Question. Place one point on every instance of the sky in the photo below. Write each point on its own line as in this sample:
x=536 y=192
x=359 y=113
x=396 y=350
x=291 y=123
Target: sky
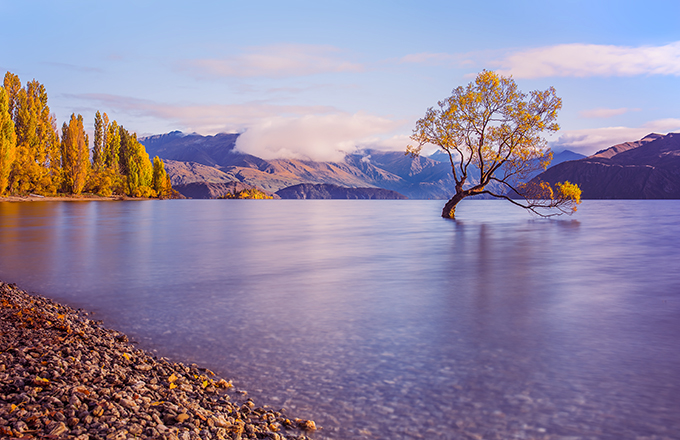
x=318 y=79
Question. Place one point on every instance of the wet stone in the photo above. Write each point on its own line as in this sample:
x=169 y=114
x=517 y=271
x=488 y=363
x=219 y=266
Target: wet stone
x=63 y=375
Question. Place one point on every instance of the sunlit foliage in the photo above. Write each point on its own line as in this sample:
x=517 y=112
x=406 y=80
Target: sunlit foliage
x=494 y=127
x=161 y=181
x=34 y=160
x=8 y=141
x=37 y=165
x=75 y=155
x=136 y=166
x=98 y=146
x=253 y=193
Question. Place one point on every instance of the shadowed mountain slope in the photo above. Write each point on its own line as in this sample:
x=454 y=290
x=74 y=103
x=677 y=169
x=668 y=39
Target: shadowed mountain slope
x=645 y=169
x=204 y=190
x=327 y=191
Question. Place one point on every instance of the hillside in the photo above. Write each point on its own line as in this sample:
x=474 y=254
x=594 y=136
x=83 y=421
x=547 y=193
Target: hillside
x=326 y=191
x=645 y=169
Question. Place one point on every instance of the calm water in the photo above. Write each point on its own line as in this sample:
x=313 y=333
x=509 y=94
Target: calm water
x=380 y=320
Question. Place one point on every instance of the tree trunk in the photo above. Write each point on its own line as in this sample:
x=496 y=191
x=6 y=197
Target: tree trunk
x=449 y=210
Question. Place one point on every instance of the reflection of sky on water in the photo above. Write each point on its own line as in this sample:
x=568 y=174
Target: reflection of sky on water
x=339 y=309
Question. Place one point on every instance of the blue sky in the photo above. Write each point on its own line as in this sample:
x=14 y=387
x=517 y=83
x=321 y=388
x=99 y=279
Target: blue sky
x=313 y=79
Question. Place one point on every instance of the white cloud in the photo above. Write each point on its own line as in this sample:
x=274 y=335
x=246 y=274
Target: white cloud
x=583 y=60
x=565 y=60
x=394 y=143
x=313 y=137
x=589 y=141
x=277 y=61
x=605 y=112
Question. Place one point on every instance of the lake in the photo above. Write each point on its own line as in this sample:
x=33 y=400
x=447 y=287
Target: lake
x=381 y=320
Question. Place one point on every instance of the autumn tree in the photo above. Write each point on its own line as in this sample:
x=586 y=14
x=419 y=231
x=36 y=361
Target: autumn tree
x=135 y=165
x=161 y=181
x=492 y=127
x=112 y=145
x=12 y=85
x=98 y=144
x=8 y=141
x=75 y=155
x=36 y=167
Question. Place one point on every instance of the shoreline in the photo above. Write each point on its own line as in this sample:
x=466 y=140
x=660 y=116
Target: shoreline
x=67 y=198
x=63 y=375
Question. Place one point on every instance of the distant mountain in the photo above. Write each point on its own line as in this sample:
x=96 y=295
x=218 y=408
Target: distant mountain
x=560 y=157
x=191 y=158
x=326 y=191
x=645 y=169
x=564 y=156
x=195 y=158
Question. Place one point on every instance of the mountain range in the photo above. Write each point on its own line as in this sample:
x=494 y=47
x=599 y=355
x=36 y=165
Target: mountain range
x=644 y=169
x=192 y=158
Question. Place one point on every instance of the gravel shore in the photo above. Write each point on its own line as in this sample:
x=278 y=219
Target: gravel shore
x=62 y=375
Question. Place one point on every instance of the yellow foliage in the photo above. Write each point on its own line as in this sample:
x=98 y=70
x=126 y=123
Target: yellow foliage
x=494 y=127
x=253 y=193
x=144 y=192
x=8 y=141
x=570 y=191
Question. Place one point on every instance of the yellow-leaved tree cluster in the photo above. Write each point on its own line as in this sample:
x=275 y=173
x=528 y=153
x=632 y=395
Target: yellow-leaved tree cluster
x=35 y=159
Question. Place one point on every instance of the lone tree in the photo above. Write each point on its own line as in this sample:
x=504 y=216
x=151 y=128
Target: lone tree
x=493 y=127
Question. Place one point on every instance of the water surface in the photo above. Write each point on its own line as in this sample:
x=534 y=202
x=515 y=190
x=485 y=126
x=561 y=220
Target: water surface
x=380 y=320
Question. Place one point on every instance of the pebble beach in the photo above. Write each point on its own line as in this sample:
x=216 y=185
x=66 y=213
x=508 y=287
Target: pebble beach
x=65 y=376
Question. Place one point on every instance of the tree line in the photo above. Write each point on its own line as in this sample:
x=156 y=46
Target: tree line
x=36 y=159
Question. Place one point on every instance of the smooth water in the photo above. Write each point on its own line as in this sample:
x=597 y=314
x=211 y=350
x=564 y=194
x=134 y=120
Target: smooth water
x=379 y=319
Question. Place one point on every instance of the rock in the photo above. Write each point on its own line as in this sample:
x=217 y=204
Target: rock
x=20 y=426
x=127 y=403
x=58 y=429
x=135 y=429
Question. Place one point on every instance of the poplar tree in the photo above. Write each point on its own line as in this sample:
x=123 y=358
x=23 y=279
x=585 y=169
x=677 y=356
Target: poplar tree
x=12 y=86
x=98 y=146
x=36 y=166
x=75 y=155
x=112 y=146
x=8 y=141
x=136 y=166
x=161 y=181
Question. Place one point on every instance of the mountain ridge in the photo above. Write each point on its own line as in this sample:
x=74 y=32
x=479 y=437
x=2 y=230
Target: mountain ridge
x=644 y=169
x=193 y=158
